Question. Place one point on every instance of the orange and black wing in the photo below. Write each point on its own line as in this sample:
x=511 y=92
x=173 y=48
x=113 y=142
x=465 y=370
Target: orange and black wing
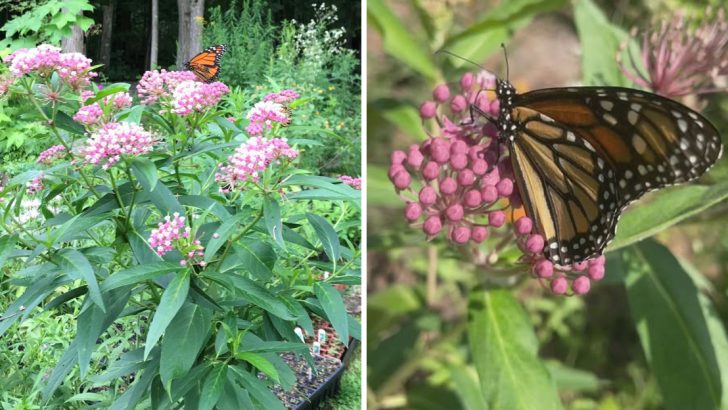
x=206 y=65
x=650 y=141
x=565 y=186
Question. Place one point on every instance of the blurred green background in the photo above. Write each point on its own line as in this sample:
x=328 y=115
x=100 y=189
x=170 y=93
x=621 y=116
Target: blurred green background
x=651 y=335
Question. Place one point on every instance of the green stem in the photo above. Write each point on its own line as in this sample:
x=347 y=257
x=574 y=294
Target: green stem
x=58 y=136
x=240 y=235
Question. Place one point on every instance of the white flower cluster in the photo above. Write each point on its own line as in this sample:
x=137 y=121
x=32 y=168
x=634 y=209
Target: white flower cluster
x=316 y=41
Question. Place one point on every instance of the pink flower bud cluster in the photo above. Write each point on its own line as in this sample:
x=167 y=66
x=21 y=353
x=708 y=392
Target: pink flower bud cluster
x=559 y=279
x=454 y=187
x=5 y=83
x=161 y=83
x=194 y=96
x=52 y=153
x=459 y=183
x=114 y=139
x=173 y=233
x=282 y=97
x=263 y=115
x=89 y=114
x=35 y=185
x=250 y=159
x=92 y=113
x=351 y=181
x=45 y=59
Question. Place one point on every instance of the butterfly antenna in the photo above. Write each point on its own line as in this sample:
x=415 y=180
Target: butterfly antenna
x=460 y=57
x=505 y=55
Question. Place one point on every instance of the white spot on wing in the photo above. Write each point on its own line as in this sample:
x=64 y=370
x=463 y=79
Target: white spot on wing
x=610 y=119
x=682 y=124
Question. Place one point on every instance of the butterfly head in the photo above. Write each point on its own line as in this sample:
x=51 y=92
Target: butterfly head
x=505 y=92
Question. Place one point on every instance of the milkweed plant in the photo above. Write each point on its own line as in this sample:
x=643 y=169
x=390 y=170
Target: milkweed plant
x=160 y=206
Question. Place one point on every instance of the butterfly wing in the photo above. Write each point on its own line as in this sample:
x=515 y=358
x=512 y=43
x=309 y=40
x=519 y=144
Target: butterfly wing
x=650 y=141
x=566 y=187
x=206 y=65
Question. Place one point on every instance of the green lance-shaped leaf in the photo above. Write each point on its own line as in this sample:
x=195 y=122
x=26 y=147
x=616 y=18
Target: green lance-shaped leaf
x=333 y=305
x=182 y=342
x=145 y=172
x=505 y=352
x=213 y=386
x=257 y=389
x=272 y=217
x=672 y=327
x=172 y=299
x=7 y=245
x=327 y=235
x=398 y=40
x=77 y=266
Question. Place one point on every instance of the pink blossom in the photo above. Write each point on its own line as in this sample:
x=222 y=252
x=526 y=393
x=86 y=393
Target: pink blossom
x=88 y=114
x=162 y=239
x=73 y=67
x=45 y=59
x=282 y=97
x=114 y=139
x=36 y=184
x=47 y=156
x=92 y=113
x=173 y=233
x=194 y=96
x=161 y=83
x=680 y=57
x=252 y=158
x=42 y=59
x=263 y=115
x=5 y=83
x=351 y=181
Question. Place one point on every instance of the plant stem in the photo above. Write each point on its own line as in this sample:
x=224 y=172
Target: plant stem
x=58 y=136
x=240 y=235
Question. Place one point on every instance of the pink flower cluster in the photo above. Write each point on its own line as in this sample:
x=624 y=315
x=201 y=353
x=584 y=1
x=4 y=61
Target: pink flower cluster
x=161 y=83
x=35 y=185
x=282 y=97
x=45 y=59
x=263 y=115
x=682 y=56
x=90 y=114
x=114 y=139
x=194 y=96
x=52 y=153
x=351 y=181
x=250 y=159
x=174 y=233
x=5 y=83
x=460 y=184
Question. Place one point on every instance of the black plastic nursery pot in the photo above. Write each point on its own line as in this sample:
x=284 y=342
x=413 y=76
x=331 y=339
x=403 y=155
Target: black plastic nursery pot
x=325 y=391
x=349 y=351
x=312 y=394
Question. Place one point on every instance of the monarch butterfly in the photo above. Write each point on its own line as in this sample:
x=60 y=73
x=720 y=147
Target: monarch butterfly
x=580 y=155
x=206 y=65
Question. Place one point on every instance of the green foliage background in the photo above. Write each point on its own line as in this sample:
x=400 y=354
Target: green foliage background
x=649 y=336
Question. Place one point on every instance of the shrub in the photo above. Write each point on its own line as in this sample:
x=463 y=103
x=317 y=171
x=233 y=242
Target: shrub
x=192 y=249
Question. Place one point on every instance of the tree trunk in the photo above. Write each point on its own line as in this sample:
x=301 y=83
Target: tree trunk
x=191 y=14
x=154 y=46
x=75 y=42
x=106 y=31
